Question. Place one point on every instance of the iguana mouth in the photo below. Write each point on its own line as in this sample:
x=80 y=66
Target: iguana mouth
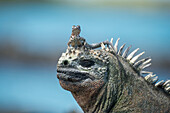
x=71 y=75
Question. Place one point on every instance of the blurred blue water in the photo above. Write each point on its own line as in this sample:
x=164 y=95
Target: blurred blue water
x=32 y=89
x=45 y=29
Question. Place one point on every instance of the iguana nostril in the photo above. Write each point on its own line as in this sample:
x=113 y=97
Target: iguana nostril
x=65 y=62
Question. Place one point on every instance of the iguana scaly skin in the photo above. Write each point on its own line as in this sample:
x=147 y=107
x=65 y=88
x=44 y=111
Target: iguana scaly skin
x=108 y=81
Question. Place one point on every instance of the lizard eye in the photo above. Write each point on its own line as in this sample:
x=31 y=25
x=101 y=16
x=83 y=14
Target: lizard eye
x=86 y=63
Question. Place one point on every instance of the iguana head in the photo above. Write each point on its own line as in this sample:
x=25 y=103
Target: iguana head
x=85 y=72
x=80 y=69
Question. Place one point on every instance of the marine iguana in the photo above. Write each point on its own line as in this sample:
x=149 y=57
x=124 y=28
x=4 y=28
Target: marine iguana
x=108 y=80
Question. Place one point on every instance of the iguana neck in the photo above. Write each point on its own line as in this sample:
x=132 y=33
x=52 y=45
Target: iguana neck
x=139 y=96
x=88 y=99
x=94 y=101
x=135 y=95
x=101 y=100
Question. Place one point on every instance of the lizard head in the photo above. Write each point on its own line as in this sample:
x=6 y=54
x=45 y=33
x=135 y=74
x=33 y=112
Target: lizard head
x=78 y=69
x=76 y=30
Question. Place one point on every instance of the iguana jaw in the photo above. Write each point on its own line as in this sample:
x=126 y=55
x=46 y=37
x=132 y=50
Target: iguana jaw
x=71 y=75
x=73 y=79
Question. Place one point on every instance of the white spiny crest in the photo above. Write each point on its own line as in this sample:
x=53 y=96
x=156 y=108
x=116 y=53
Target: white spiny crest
x=146 y=72
x=167 y=82
x=102 y=46
x=111 y=41
x=166 y=86
x=160 y=83
x=136 y=57
x=120 y=50
x=107 y=48
x=131 y=54
x=140 y=65
x=116 y=44
x=154 y=79
x=151 y=78
x=167 y=89
x=144 y=66
x=147 y=61
x=126 y=52
x=139 y=62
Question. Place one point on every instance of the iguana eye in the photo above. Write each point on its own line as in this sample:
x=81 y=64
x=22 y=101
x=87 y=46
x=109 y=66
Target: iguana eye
x=86 y=63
